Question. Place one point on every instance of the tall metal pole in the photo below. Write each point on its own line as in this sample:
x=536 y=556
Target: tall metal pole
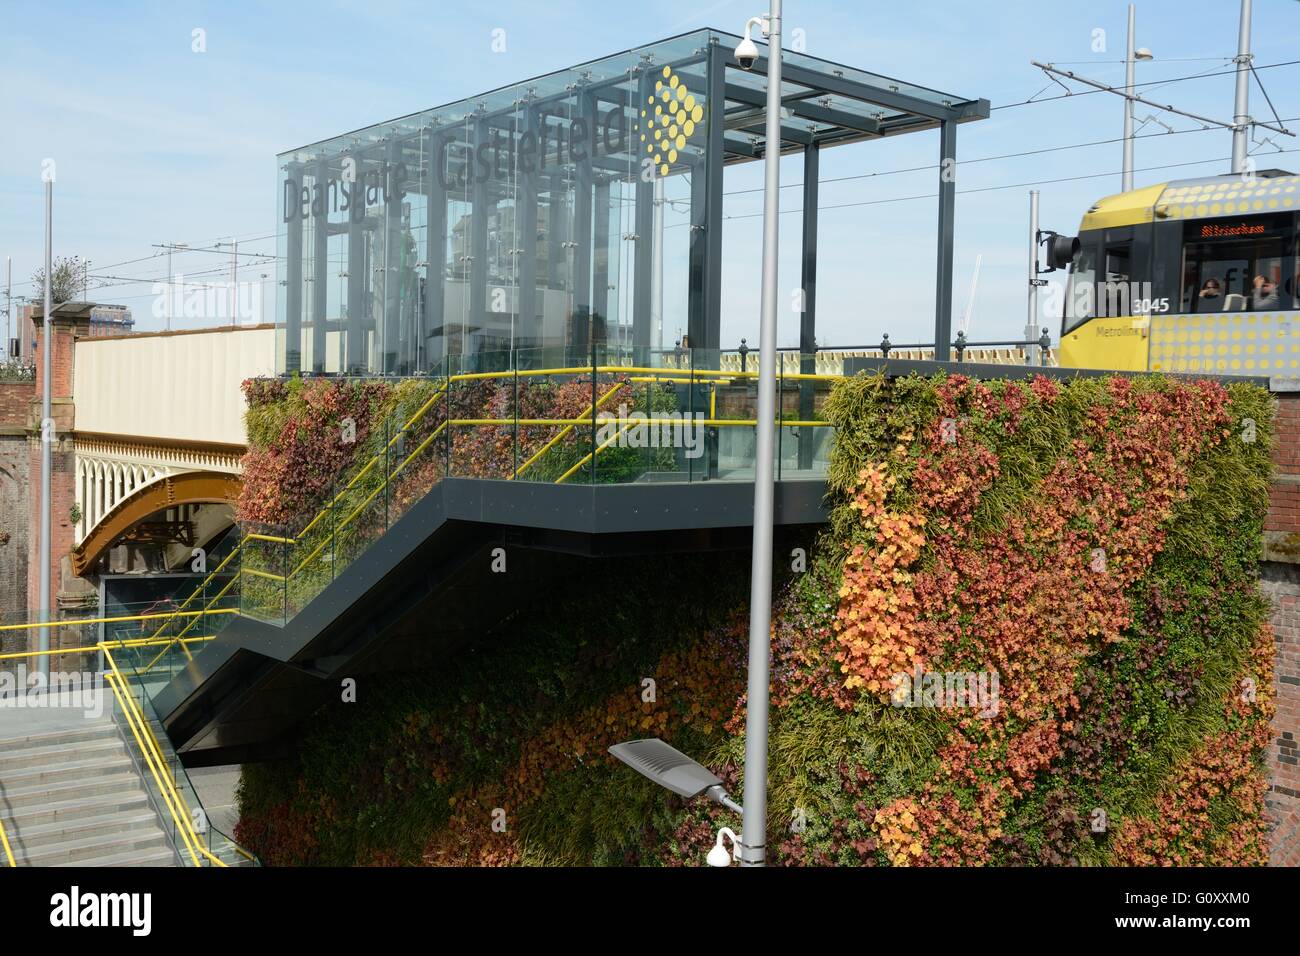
x=1241 y=106
x=1127 y=180
x=754 y=832
x=1031 y=327
x=47 y=435
x=171 y=287
x=234 y=278
x=9 y=305
x=657 y=270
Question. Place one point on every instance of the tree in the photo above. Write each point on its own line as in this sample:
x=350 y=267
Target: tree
x=67 y=282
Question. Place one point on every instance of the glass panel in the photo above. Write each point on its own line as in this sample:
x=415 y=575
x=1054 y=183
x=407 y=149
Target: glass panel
x=509 y=219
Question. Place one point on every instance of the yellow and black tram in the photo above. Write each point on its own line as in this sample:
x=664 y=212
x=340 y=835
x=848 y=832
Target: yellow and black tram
x=1197 y=275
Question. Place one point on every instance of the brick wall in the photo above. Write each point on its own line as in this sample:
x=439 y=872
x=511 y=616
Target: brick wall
x=1284 y=512
x=63 y=459
x=1280 y=581
x=15 y=494
x=15 y=399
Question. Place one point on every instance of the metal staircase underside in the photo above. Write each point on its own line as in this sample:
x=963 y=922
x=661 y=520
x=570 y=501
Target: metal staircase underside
x=425 y=588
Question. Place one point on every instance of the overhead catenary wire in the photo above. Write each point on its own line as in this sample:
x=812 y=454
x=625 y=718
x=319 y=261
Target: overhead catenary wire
x=1150 y=83
x=984 y=189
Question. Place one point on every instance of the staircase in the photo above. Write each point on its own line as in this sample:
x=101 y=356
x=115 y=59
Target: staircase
x=71 y=796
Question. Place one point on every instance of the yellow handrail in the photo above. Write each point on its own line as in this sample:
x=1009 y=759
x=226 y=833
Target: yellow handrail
x=594 y=452
x=128 y=713
x=584 y=418
x=204 y=583
x=143 y=733
x=95 y=648
x=110 y=620
x=154 y=759
x=4 y=838
x=708 y=377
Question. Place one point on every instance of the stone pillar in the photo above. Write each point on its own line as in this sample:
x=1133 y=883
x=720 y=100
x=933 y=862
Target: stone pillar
x=15 y=499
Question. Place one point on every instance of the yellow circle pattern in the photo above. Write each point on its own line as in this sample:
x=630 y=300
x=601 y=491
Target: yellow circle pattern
x=676 y=116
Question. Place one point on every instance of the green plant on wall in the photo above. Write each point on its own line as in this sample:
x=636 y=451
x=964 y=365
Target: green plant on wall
x=1092 y=544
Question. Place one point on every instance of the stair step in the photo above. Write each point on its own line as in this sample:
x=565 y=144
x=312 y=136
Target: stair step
x=75 y=851
x=92 y=731
x=32 y=836
x=13 y=760
x=147 y=857
x=128 y=797
x=15 y=798
x=84 y=770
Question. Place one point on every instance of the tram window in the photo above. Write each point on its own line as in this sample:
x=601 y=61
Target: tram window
x=1079 y=301
x=1244 y=270
x=1114 y=296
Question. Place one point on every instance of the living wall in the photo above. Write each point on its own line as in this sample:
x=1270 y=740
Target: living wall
x=1030 y=634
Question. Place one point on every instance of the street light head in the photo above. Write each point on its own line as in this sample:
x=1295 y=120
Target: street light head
x=746 y=53
x=1142 y=53
x=666 y=766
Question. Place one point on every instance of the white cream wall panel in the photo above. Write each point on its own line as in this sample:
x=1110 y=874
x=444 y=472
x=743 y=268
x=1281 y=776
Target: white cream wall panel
x=181 y=388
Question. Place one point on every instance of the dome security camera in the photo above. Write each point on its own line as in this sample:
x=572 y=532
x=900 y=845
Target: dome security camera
x=719 y=856
x=746 y=53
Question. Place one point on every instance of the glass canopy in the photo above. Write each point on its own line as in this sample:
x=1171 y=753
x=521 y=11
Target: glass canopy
x=540 y=215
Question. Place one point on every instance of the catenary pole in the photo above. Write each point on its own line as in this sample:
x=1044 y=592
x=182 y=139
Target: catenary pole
x=753 y=848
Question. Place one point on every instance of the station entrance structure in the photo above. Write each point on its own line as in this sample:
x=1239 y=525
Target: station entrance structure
x=579 y=208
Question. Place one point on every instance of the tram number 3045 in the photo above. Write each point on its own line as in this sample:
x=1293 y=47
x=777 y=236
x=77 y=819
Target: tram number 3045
x=1148 y=306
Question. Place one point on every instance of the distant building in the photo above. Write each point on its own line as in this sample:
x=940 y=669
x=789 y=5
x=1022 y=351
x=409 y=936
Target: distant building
x=110 y=320
x=105 y=321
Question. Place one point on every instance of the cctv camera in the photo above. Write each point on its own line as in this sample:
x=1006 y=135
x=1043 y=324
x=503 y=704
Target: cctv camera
x=746 y=54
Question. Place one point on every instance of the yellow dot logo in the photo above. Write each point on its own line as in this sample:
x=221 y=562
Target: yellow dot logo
x=678 y=113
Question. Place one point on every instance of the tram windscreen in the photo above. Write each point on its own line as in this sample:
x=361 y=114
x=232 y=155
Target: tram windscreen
x=1241 y=265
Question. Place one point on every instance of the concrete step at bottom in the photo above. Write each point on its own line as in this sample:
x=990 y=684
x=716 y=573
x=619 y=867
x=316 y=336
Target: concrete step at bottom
x=145 y=857
x=16 y=800
x=16 y=760
x=33 y=836
x=75 y=851
x=125 y=799
x=93 y=730
x=84 y=770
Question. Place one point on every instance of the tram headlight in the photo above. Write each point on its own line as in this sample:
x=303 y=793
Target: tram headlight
x=1061 y=250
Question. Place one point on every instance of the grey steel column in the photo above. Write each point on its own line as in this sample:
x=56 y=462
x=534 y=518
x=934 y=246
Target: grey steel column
x=555 y=231
x=1126 y=178
x=600 y=263
x=1031 y=327
x=357 y=359
x=435 y=254
x=643 y=247
x=697 y=279
x=710 y=330
x=943 y=268
x=47 y=436
x=582 y=187
x=478 y=233
x=753 y=849
x=528 y=334
x=808 y=319
x=393 y=361
x=320 y=271
x=293 y=278
x=1241 y=103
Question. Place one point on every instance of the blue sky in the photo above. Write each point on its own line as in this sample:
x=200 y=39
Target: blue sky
x=154 y=142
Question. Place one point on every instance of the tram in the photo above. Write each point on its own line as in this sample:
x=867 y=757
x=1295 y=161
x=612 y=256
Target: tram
x=1196 y=275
